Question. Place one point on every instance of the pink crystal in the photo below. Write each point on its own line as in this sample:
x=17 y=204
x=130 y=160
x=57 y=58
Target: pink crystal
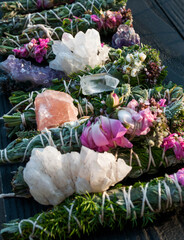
x=54 y=108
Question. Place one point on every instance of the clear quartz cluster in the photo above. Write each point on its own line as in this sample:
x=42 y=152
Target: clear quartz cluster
x=52 y=176
x=75 y=53
x=21 y=71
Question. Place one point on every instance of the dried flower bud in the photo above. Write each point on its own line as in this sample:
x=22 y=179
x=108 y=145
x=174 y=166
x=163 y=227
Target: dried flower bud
x=112 y=100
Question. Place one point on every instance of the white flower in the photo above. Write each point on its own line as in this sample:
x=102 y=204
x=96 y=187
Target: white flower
x=127 y=69
x=138 y=64
x=75 y=53
x=142 y=56
x=125 y=117
x=129 y=58
x=134 y=72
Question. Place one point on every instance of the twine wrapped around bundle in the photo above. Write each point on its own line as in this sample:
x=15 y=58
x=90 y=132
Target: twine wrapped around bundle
x=54 y=17
x=26 y=6
x=84 y=214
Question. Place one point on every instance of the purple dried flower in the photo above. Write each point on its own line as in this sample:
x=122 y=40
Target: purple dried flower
x=125 y=36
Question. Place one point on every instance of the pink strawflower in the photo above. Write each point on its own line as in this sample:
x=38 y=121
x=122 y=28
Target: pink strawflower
x=35 y=49
x=104 y=134
x=179 y=175
x=162 y=102
x=176 y=143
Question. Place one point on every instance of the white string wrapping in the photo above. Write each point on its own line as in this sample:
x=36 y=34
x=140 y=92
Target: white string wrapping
x=23 y=119
x=159 y=196
x=151 y=159
x=6 y=195
x=4 y=158
x=71 y=215
x=61 y=138
x=67 y=86
x=168 y=193
x=35 y=225
x=145 y=199
x=105 y=195
x=137 y=159
x=128 y=202
x=29 y=99
x=167 y=92
x=179 y=189
x=19 y=4
x=49 y=140
x=53 y=12
x=45 y=29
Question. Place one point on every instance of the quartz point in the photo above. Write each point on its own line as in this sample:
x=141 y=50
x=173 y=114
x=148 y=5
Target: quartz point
x=98 y=83
x=53 y=108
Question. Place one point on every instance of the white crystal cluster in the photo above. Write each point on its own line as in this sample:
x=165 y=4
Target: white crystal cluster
x=75 y=53
x=134 y=63
x=52 y=176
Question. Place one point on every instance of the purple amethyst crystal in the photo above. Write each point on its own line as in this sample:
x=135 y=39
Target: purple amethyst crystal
x=21 y=71
x=125 y=36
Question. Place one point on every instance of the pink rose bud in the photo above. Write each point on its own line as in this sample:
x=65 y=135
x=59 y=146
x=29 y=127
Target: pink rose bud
x=112 y=100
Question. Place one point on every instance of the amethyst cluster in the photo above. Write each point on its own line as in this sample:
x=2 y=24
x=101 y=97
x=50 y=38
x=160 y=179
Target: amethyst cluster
x=21 y=71
x=125 y=36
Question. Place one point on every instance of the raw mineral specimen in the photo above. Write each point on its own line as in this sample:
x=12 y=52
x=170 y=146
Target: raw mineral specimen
x=125 y=36
x=52 y=176
x=54 y=108
x=98 y=83
x=21 y=71
x=75 y=53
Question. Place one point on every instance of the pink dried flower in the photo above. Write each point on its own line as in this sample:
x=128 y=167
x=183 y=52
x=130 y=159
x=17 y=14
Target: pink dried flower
x=21 y=52
x=108 y=20
x=104 y=134
x=113 y=19
x=97 y=20
x=137 y=122
x=133 y=104
x=35 y=49
x=179 y=175
x=162 y=103
x=176 y=143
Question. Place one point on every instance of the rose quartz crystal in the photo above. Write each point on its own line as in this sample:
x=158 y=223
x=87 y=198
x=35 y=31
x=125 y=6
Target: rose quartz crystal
x=54 y=108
